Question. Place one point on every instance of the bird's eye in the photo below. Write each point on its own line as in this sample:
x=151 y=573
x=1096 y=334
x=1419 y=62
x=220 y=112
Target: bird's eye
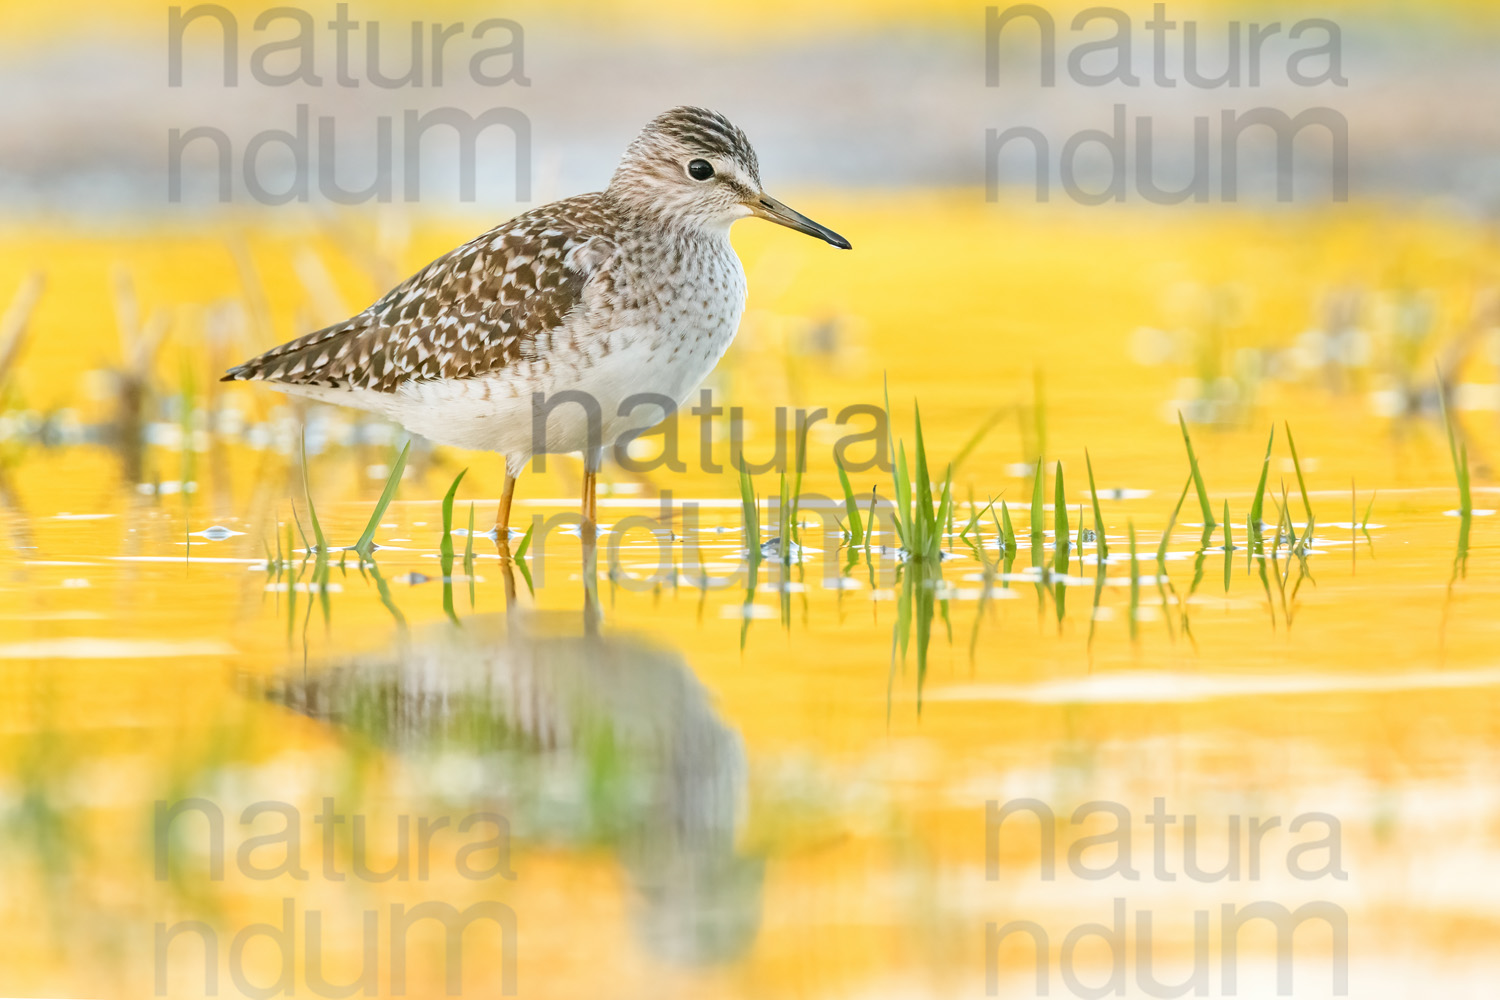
x=700 y=170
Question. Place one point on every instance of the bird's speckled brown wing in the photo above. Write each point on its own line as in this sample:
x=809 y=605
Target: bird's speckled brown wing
x=471 y=312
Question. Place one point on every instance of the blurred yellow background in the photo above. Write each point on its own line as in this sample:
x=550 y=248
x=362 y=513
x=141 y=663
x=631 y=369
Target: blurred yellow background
x=774 y=789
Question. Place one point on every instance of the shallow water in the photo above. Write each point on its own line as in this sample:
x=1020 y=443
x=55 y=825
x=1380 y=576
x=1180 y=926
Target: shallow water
x=704 y=793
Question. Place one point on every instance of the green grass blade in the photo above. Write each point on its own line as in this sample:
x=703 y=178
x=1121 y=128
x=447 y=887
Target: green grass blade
x=321 y=570
x=925 y=527
x=306 y=545
x=312 y=512
x=1187 y=439
x=900 y=480
x=1228 y=546
x=1253 y=532
x=1101 y=547
x=366 y=543
x=975 y=513
x=1036 y=516
x=525 y=543
x=749 y=510
x=445 y=547
x=1297 y=466
x=1257 y=503
x=944 y=515
x=974 y=528
x=525 y=573
x=801 y=460
x=1460 y=456
x=851 y=509
x=1061 y=542
x=904 y=527
x=1061 y=534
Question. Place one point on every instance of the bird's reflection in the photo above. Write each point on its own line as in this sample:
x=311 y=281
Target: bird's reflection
x=586 y=739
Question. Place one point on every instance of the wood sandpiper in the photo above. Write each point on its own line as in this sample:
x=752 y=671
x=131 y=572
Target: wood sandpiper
x=602 y=297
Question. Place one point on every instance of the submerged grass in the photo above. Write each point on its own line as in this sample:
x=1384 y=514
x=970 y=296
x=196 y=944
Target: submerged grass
x=384 y=590
x=321 y=570
x=1100 y=575
x=445 y=547
x=925 y=522
x=923 y=519
x=520 y=558
x=1459 y=452
x=1163 y=581
x=924 y=545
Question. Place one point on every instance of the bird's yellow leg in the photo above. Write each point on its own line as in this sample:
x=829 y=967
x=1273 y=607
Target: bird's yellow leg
x=502 y=517
x=590 y=506
x=588 y=535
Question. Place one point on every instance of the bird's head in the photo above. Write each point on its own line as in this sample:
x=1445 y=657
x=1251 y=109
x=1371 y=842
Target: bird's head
x=694 y=167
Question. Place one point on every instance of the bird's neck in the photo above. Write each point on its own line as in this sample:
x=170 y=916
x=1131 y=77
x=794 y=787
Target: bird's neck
x=658 y=226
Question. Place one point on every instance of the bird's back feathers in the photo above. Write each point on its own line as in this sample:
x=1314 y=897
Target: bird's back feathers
x=471 y=312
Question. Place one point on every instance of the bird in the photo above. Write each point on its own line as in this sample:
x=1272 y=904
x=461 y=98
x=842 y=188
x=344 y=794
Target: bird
x=567 y=326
